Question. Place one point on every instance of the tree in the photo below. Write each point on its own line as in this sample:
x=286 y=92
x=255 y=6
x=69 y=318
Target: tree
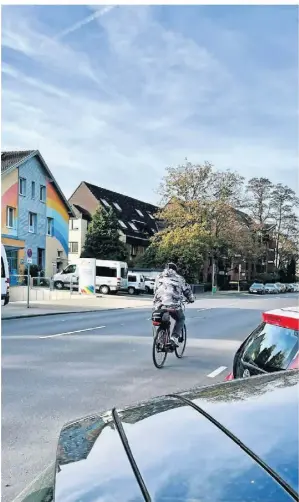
x=103 y=239
x=259 y=192
x=204 y=201
x=284 y=203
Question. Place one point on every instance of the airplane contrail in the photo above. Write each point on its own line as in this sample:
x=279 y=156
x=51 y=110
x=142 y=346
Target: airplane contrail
x=86 y=20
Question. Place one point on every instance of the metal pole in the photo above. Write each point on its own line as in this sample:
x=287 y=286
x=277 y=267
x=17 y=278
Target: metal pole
x=240 y=266
x=213 y=276
x=28 y=286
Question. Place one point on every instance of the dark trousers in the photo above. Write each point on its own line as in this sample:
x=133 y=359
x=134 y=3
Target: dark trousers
x=179 y=317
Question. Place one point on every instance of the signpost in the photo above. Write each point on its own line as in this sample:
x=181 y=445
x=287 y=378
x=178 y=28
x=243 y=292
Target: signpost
x=29 y=261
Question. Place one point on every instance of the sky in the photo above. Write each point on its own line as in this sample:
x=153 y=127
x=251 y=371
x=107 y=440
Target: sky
x=114 y=95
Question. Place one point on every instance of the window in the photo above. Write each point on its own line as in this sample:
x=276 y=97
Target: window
x=42 y=193
x=132 y=278
x=22 y=186
x=50 y=225
x=73 y=247
x=105 y=203
x=59 y=254
x=122 y=224
x=2 y=269
x=271 y=347
x=133 y=226
x=10 y=217
x=117 y=206
x=74 y=224
x=123 y=273
x=134 y=250
x=71 y=269
x=139 y=212
x=106 y=272
x=150 y=215
x=33 y=190
x=32 y=223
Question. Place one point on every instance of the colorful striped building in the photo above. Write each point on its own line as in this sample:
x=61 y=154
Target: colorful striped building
x=34 y=213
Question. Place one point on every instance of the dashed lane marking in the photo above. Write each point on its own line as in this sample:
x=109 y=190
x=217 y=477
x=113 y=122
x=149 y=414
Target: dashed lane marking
x=217 y=372
x=72 y=332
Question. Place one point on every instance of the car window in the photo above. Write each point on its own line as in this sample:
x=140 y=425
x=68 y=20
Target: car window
x=123 y=273
x=271 y=348
x=106 y=272
x=2 y=269
x=131 y=278
x=71 y=269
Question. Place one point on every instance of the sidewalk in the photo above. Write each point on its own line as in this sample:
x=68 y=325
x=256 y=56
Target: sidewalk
x=72 y=305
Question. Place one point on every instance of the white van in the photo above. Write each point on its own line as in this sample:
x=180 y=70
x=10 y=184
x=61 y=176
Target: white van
x=4 y=277
x=111 y=276
x=136 y=283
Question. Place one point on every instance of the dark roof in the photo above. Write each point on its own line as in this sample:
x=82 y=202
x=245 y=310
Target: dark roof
x=82 y=212
x=9 y=159
x=128 y=213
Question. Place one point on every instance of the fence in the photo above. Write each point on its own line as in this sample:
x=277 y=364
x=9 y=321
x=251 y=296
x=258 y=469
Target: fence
x=40 y=289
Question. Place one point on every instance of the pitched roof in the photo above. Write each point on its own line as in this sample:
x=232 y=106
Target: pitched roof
x=136 y=218
x=9 y=159
x=12 y=159
x=78 y=210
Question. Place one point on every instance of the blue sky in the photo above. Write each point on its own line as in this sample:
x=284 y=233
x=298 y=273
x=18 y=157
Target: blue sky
x=113 y=95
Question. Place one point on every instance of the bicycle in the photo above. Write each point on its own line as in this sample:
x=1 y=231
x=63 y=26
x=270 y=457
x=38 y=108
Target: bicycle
x=162 y=343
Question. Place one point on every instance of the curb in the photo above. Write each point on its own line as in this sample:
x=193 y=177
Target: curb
x=59 y=313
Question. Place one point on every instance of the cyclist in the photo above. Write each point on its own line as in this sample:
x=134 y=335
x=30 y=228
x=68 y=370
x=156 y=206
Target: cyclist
x=170 y=291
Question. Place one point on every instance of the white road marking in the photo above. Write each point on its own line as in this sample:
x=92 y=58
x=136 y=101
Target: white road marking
x=72 y=332
x=217 y=371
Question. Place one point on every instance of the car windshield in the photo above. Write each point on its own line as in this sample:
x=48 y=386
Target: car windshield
x=270 y=286
x=257 y=285
x=271 y=348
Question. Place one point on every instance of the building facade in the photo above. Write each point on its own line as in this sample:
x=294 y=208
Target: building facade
x=137 y=222
x=34 y=214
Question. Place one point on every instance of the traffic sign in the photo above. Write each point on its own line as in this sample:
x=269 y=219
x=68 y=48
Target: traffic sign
x=29 y=261
x=29 y=253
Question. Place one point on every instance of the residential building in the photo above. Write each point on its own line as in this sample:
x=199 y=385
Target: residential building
x=137 y=222
x=34 y=215
x=77 y=231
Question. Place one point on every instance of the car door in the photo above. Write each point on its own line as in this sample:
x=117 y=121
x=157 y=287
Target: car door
x=269 y=348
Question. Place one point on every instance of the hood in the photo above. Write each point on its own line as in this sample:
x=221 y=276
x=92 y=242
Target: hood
x=168 y=272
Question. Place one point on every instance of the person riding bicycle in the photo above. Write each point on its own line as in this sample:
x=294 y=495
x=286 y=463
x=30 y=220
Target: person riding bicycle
x=169 y=291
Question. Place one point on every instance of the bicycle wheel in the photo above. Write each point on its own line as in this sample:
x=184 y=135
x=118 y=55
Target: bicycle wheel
x=179 y=351
x=159 y=353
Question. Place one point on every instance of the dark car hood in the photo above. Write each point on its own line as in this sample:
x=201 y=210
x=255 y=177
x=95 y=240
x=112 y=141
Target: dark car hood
x=181 y=455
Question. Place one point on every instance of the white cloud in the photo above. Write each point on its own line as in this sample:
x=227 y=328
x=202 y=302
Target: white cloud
x=138 y=98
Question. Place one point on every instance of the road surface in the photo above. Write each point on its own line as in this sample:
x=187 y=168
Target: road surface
x=58 y=368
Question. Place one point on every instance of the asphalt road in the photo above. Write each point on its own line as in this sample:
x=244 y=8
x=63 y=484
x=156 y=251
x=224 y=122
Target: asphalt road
x=57 y=368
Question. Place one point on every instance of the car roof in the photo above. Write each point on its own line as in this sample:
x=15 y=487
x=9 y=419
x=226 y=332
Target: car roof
x=209 y=443
x=287 y=317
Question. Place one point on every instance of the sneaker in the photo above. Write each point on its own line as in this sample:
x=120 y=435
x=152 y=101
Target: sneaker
x=174 y=340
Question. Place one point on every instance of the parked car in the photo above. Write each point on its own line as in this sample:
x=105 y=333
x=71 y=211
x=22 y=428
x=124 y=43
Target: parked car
x=4 y=277
x=136 y=283
x=272 y=346
x=149 y=284
x=271 y=289
x=234 y=441
x=257 y=288
x=282 y=288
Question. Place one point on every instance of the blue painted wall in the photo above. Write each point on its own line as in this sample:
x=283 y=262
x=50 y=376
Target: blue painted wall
x=32 y=170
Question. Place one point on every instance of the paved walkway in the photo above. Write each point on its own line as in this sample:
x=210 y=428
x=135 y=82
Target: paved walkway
x=76 y=304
